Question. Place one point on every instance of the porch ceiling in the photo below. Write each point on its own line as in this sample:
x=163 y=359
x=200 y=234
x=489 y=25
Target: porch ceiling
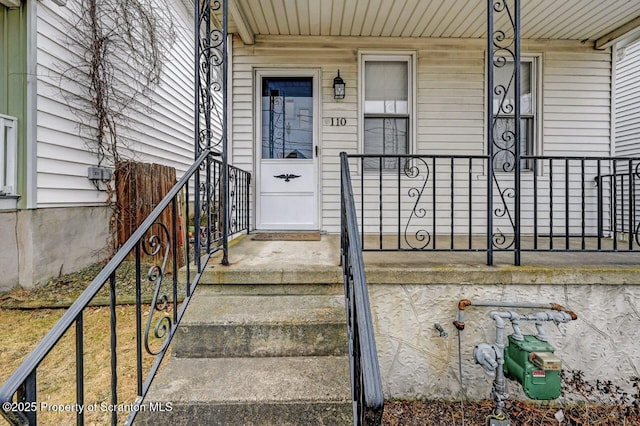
x=541 y=19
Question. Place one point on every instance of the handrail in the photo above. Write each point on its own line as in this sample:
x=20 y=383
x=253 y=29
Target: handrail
x=366 y=383
x=23 y=379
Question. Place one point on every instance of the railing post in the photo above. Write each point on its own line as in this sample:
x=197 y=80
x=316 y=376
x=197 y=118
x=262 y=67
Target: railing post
x=80 y=368
x=225 y=156
x=27 y=393
x=248 y=201
x=208 y=110
x=114 y=343
x=342 y=218
x=503 y=48
x=632 y=204
x=200 y=51
x=138 y=256
x=517 y=96
x=599 y=201
x=490 y=170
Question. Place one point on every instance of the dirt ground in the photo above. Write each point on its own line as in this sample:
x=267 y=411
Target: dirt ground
x=449 y=413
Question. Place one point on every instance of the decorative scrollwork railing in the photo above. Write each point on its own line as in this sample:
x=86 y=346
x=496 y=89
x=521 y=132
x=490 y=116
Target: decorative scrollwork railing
x=620 y=197
x=209 y=75
x=366 y=383
x=444 y=203
x=421 y=237
x=158 y=247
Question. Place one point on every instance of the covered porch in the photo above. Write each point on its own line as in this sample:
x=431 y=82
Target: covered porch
x=439 y=148
x=454 y=104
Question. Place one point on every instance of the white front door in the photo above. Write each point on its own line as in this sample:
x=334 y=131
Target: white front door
x=286 y=147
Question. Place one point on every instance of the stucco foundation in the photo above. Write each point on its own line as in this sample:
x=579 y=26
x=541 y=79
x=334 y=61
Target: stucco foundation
x=43 y=243
x=416 y=362
x=9 y=251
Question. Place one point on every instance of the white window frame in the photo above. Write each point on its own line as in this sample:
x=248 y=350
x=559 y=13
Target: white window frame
x=391 y=56
x=535 y=59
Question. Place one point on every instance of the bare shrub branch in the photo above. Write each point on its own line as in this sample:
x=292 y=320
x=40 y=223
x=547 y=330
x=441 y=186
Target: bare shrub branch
x=121 y=49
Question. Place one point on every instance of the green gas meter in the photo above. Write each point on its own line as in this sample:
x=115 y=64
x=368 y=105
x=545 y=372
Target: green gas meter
x=532 y=363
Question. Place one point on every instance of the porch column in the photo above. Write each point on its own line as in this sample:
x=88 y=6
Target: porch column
x=225 y=157
x=503 y=128
x=202 y=39
x=210 y=54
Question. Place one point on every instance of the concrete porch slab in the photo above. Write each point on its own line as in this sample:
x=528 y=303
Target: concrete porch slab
x=318 y=262
x=278 y=262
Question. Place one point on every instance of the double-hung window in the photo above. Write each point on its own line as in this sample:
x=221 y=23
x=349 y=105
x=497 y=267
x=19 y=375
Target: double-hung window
x=504 y=114
x=387 y=87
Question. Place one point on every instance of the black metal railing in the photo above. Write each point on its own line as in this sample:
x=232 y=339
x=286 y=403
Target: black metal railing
x=366 y=384
x=159 y=247
x=446 y=203
x=623 y=194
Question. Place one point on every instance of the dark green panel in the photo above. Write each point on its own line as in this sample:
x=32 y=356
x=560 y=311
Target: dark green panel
x=4 y=72
x=13 y=80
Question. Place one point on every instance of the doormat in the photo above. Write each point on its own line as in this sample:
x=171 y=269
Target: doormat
x=286 y=236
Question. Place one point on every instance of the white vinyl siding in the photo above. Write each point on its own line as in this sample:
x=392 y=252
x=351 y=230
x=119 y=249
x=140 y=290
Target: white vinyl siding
x=162 y=132
x=576 y=102
x=450 y=98
x=628 y=102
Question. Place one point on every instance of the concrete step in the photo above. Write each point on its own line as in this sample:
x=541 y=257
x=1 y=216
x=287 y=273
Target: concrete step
x=251 y=391
x=249 y=325
x=269 y=289
x=291 y=263
x=276 y=273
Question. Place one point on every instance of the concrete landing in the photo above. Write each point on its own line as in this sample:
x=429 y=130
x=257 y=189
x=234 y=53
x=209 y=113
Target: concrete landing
x=278 y=262
x=257 y=325
x=253 y=391
x=313 y=262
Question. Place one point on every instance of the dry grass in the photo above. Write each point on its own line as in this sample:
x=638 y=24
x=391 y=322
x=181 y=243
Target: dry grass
x=62 y=291
x=56 y=375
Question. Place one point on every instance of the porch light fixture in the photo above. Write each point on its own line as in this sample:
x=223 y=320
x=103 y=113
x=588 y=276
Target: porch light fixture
x=338 y=87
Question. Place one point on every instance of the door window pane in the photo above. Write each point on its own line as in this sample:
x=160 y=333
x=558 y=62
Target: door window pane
x=287 y=117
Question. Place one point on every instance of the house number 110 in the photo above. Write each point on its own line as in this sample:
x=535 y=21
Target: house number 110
x=338 y=121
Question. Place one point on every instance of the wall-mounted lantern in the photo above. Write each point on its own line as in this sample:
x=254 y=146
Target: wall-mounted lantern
x=338 y=87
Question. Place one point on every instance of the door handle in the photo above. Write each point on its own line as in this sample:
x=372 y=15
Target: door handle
x=316 y=150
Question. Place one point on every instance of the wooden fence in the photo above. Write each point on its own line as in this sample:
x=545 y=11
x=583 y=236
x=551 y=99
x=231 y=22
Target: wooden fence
x=139 y=188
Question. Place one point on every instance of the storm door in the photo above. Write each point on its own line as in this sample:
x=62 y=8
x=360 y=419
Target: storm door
x=287 y=189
